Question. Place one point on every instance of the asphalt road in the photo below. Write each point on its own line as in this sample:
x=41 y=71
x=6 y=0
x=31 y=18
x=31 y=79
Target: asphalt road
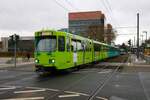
x=78 y=85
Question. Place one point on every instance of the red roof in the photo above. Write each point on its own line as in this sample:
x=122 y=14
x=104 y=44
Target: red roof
x=86 y=15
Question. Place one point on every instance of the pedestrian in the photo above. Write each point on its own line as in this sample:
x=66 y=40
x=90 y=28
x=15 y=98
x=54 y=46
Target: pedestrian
x=28 y=55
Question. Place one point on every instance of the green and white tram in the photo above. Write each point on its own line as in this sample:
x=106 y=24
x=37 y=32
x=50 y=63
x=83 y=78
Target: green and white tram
x=56 y=50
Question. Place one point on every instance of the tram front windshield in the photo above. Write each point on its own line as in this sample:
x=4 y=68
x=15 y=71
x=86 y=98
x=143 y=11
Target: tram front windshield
x=46 y=44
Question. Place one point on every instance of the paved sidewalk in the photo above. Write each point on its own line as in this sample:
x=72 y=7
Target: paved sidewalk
x=8 y=62
x=134 y=61
x=147 y=58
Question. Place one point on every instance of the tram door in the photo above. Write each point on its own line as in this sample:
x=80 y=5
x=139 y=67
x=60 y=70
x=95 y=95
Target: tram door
x=83 y=51
x=74 y=49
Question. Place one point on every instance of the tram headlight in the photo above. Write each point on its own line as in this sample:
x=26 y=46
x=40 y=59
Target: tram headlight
x=36 y=61
x=53 y=61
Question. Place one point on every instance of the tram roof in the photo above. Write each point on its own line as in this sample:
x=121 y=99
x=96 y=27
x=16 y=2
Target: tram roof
x=75 y=36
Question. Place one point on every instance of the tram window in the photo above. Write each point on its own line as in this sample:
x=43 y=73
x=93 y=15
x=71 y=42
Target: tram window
x=73 y=45
x=61 y=43
x=87 y=46
x=79 y=46
x=83 y=45
x=97 y=47
x=104 y=48
x=46 y=44
x=100 y=47
x=68 y=44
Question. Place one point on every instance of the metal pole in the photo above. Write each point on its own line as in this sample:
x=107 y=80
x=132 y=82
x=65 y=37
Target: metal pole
x=134 y=41
x=138 y=35
x=142 y=38
x=146 y=36
x=14 y=50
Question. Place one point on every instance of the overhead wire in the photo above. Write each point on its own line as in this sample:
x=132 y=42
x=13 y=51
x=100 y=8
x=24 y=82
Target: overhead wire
x=111 y=11
x=62 y=6
x=71 y=5
x=105 y=7
x=108 y=8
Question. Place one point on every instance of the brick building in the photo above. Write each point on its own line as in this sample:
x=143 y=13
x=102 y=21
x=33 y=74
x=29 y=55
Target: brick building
x=88 y=24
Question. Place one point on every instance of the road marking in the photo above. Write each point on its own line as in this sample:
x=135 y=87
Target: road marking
x=55 y=90
x=8 y=88
x=32 y=98
x=102 y=72
x=128 y=64
x=1 y=70
x=30 y=91
x=50 y=89
x=76 y=93
x=117 y=85
x=101 y=98
x=70 y=95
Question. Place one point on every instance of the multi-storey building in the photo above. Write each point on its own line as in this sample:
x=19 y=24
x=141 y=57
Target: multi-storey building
x=88 y=24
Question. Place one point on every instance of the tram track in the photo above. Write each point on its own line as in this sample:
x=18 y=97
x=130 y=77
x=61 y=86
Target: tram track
x=69 y=87
x=105 y=82
x=101 y=86
x=76 y=84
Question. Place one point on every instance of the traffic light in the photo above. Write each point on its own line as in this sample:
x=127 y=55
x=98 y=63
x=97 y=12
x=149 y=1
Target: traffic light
x=129 y=42
x=14 y=38
x=11 y=38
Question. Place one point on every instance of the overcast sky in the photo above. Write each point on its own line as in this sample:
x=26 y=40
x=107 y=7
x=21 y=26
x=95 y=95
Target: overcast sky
x=26 y=16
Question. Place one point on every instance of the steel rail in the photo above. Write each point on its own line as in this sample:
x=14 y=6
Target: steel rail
x=101 y=86
x=70 y=86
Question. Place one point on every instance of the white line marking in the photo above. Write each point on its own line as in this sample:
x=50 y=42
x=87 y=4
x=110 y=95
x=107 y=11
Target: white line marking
x=55 y=90
x=70 y=95
x=102 y=98
x=8 y=88
x=30 y=91
x=104 y=72
x=32 y=98
x=76 y=93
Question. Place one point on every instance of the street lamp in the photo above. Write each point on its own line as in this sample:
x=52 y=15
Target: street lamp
x=146 y=34
x=142 y=38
